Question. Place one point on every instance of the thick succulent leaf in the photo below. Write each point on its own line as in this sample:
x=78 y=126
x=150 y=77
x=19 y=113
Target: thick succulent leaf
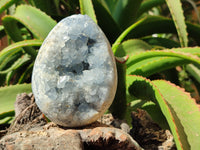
x=164 y=53
x=157 y=24
x=152 y=109
x=87 y=9
x=144 y=89
x=8 y=96
x=7 y=117
x=6 y=114
x=11 y=28
x=8 y=63
x=156 y=114
x=184 y=109
x=48 y=6
x=109 y=5
x=18 y=73
x=154 y=24
x=194 y=71
x=11 y=50
x=138 y=29
x=126 y=8
x=124 y=34
x=5 y=4
x=155 y=65
x=26 y=74
x=9 y=77
x=151 y=25
x=131 y=47
x=149 y=4
x=163 y=42
x=56 y=4
x=17 y=64
x=6 y=56
x=106 y=22
x=32 y=18
x=179 y=20
x=147 y=66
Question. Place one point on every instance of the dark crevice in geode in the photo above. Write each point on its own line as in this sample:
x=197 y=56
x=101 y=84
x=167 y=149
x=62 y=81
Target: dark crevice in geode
x=85 y=65
x=76 y=69
x=90 y=42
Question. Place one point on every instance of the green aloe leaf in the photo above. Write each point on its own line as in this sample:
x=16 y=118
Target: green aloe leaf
x=151 y=25
x=17 y=64
x=149 y=4
x=106 y=22
x=8 y=63
x=163 y=42
x=151 y=107
x=11 y=59
x=164 y=94
x=131 y=47
x=163 y=53
x=125 y=33
x=48 y=6
x=184 y=109
x=109 y=5
x=6 y=114
x=87 y=9
x=126 y=8
x=8 y=96
x=179 y=20
x=156 y=24
x=9 y=76
x=11 y=50
x=147 y=66
x=194 y=71
x=32 y=18
x=147 y=26
x=7 y=117
x=155 y=65
x=27 y=73
x=5 y=4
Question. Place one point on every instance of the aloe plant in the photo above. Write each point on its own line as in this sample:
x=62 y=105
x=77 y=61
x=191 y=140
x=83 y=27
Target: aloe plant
x=139 y=56
x=145 y=62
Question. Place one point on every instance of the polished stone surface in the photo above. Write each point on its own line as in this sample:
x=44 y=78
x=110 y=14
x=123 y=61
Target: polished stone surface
x=74 y=77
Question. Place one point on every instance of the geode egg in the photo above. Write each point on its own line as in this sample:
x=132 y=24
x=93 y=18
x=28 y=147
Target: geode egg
x=74 y=77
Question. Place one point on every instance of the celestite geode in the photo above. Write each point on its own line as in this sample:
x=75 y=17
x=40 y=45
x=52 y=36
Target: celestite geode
x=74 y=77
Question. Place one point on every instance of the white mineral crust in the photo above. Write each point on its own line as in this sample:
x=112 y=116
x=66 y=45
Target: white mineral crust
x=74 y=77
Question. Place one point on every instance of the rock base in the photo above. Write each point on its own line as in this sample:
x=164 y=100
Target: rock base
x=30 y=130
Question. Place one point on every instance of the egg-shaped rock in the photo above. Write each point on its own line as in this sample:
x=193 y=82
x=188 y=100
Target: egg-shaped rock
x=74 y=76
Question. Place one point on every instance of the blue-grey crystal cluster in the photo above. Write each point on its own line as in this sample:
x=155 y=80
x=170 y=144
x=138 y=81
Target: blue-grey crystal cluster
x=74 y=77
